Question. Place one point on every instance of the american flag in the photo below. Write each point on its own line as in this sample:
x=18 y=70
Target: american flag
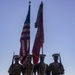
x=25 y=39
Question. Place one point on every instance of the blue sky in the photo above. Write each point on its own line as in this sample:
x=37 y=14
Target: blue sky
x=59 y=30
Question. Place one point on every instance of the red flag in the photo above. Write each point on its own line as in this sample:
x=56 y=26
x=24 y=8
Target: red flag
x=39 y=39
x=25 y=39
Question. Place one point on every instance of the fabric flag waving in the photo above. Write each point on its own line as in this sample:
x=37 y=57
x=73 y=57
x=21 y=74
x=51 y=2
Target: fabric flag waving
x=39 y=39
x=25 y=39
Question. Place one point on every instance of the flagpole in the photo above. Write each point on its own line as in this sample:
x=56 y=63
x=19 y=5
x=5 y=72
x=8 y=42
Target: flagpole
x=42 y=49
x=42 y=23
x=29 y=7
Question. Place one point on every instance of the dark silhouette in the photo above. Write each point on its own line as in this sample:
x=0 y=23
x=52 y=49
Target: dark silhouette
x=41 y=67
x=15 y=68
x=28 y=66
x=56 y=68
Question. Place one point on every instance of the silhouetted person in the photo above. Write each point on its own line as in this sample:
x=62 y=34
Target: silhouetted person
x=15 y=68
x=56 y=68
x=41 y=67
x=28 y=66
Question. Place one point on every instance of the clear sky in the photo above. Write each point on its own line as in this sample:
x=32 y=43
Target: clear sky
x=59 y=30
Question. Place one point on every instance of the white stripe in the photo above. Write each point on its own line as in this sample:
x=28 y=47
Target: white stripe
x=25 y=35
x=25 y=30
